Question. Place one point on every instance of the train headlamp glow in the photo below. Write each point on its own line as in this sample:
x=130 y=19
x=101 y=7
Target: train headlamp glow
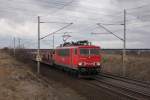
x=98 y=63
x=80 y=63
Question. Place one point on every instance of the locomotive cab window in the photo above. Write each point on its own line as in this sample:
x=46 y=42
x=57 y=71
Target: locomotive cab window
x=84 y=51
x=89 y=51
x=94 y=51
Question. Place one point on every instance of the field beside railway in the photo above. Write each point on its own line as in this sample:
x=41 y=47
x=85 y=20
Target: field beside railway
x=17 y=82
x=104 y=86
x=137 y=66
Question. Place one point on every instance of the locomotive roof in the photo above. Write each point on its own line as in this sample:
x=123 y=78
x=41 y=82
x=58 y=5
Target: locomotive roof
x=80 y=46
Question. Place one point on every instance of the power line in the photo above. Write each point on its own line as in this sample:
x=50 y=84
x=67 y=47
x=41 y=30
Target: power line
x=92 y=13
x=110 y=24
x=56 y=31
x=54 y=22
x=95 y=13
x=38 y=2
x=54 y=2
x=68 y=4
x=136 y=18
x=102 y=14
x=110 y=31
x=65 y=5
x=84 y=11
x=135 y=8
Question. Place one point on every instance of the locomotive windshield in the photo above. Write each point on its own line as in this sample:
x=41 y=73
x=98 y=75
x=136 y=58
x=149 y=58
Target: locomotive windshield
x=84 y=51
x=87 y=51
x=94 y=51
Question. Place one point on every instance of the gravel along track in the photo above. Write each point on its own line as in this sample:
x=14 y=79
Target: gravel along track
x=124 y=86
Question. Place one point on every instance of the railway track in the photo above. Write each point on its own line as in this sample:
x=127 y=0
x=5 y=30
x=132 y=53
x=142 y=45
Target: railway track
x=122 y=86
x=119 y=90
x=113 y=90
x=125 y=79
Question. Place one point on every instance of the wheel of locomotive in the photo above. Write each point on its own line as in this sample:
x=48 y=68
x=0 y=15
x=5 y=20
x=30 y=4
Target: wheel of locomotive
x=77 y=74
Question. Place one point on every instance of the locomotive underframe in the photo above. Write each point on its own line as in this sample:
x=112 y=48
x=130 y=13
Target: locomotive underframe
x=89 y=70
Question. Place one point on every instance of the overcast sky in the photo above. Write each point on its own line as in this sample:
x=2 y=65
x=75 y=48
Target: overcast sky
x=18 y=18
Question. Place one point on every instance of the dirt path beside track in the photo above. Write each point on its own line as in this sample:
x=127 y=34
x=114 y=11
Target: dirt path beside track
x=18 y=83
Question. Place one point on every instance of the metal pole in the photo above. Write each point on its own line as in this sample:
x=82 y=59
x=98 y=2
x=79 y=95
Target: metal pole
x=19 y=43
x=14 y=46
x=53 y=42
x=38 y=50
x=124 y=45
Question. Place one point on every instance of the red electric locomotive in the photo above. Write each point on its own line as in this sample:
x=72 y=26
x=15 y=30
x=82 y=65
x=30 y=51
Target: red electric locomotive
x=79 y=57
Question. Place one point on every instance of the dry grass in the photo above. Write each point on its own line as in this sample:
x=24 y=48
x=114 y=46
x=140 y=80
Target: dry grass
x=17 y=82
x=136 y=66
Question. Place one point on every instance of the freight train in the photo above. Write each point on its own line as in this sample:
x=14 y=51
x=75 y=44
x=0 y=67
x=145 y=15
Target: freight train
x=80 y=58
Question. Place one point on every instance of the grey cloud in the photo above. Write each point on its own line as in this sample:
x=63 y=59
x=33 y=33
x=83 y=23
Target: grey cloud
x=19 y=18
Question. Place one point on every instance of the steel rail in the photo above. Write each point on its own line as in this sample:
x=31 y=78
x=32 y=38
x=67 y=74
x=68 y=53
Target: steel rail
x=125 y=79
x=113 y=90
x=132 y=92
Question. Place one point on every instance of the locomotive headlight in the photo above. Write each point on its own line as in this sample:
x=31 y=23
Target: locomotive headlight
x=80 y=63
x=98 y=63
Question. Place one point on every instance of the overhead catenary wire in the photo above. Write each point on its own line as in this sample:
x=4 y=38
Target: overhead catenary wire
x=61 y=5
x=58 y=9
x=64 y=4
x=128 y=9
x=89 y=12
x=39 y=3
x=139 y=7
x=83 y=18
x=131 y=12
x=69 y=4
x=33 y=17
x=110 y=24
x=54 y=22
x=110 y=31
x=56 y=31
